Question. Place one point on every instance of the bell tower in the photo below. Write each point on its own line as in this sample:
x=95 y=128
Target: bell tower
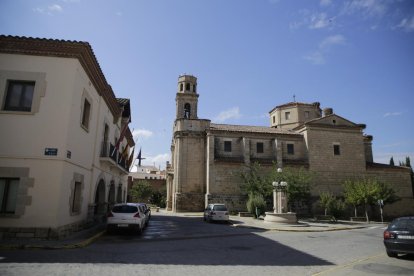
x=187 y=97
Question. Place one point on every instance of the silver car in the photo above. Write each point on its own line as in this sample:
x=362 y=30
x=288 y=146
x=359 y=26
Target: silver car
x=216 y=212
x=126 y=216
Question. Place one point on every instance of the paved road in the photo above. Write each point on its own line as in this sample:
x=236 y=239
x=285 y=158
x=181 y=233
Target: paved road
x=188 y=246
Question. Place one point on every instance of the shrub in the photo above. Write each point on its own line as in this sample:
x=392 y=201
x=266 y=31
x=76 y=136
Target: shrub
x=256 y=201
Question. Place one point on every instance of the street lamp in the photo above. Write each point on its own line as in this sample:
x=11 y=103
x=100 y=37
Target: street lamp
x=279 y=196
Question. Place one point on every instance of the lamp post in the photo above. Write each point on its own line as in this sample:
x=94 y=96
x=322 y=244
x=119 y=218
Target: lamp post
x=279 y=195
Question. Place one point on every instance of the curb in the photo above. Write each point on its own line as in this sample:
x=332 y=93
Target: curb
x=298 y=230
x=80 y=244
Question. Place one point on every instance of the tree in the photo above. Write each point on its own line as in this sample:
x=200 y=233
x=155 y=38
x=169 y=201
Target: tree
x=325 y=201
x=366 y=192
x=299 y=184
x=392 y=161
x=255 y=181
x=141 y=191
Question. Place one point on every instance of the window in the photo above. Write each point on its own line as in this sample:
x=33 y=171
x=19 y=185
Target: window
x=19 y=96
x=290 y=149
x=306 y=114
x=227 y=146
x=86 y=113
x=181 y=87
x=287 y=115
x=337 y=150
x=194 y=88
x=76 y=203
x=259 y=147
x=187 y=87
x=8 y=195
x=274 y=119
x=187 y=111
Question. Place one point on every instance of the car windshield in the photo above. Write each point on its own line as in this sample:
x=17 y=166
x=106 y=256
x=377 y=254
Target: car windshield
x=403 y=224
x=125 y=209
x=219 y=208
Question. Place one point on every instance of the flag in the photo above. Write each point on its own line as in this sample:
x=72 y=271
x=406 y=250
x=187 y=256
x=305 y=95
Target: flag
x=130 y=159
x=121 y=137
x=139 y=158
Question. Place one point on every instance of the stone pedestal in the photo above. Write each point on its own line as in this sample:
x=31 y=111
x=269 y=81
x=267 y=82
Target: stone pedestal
x=289 y=218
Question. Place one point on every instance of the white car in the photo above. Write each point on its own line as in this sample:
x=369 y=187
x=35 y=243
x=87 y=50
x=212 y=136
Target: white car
x=216 y=212
x=126 y=216
x=147 y=212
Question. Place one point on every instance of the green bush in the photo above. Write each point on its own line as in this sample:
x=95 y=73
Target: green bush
x=256 y=201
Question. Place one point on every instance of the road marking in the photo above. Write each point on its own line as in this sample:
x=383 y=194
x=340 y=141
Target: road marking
x=348 y=264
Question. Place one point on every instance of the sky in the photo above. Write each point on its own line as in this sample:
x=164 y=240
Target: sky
x=249 y=56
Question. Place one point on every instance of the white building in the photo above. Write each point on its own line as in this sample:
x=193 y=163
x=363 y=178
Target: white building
x=147 y=172
x=59 y=122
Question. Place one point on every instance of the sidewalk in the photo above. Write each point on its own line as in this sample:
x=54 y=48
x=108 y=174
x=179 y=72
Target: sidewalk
x=303 y=225
x=77 y=240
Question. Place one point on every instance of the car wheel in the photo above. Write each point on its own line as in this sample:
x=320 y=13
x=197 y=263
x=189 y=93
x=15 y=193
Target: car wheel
x=392 y=254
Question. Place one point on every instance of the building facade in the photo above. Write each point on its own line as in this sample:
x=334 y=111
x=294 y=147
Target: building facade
x=207 y=158
x=60 y=165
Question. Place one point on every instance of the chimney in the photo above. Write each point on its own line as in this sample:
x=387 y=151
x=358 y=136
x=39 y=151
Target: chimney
x=327 y=111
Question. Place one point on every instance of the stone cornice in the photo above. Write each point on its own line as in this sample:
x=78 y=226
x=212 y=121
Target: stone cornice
x=82 y=51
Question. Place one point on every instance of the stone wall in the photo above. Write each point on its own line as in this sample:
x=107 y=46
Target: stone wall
x=234 y=203
x=41 y=233
x=189 y=202
x=321 y=151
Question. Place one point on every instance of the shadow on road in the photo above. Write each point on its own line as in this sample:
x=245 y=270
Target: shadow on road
x=173 y=240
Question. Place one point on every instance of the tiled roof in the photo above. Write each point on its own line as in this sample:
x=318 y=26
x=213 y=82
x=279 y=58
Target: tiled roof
x=64 y=49
x=125 y=106
x=295 y=104
x=251 y=129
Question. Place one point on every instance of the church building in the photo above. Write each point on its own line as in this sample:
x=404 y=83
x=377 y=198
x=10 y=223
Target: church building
x=207 y=158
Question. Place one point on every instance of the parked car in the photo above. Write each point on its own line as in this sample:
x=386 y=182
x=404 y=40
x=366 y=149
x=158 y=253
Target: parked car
x=216 y=212
x=126 y=216
x=399 y=237
x=147 y=212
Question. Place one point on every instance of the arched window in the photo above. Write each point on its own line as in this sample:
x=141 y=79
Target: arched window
x=194 y=88
x=187 y=111
x=181 y=87
x=187 y=87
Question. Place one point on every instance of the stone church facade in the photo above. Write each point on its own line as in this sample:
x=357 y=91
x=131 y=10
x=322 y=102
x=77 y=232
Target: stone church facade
x=207 y=158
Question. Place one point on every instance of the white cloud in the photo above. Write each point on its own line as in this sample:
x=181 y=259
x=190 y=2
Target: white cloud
x=407 y=24
x=325 y=2
x=50 y=10
x=366 y=7
x=318 y=57
x=55 y=8
x=142 y=134
x=330 y=41
x=319 y=21
x=232 y=113
x=388 y=114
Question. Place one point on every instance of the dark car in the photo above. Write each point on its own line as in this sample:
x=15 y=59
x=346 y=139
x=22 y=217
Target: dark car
x=399 y=237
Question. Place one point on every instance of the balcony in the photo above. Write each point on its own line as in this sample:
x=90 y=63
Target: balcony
x=111 y=155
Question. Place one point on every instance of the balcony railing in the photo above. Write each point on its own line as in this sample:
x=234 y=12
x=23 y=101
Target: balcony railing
x=109 y=151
